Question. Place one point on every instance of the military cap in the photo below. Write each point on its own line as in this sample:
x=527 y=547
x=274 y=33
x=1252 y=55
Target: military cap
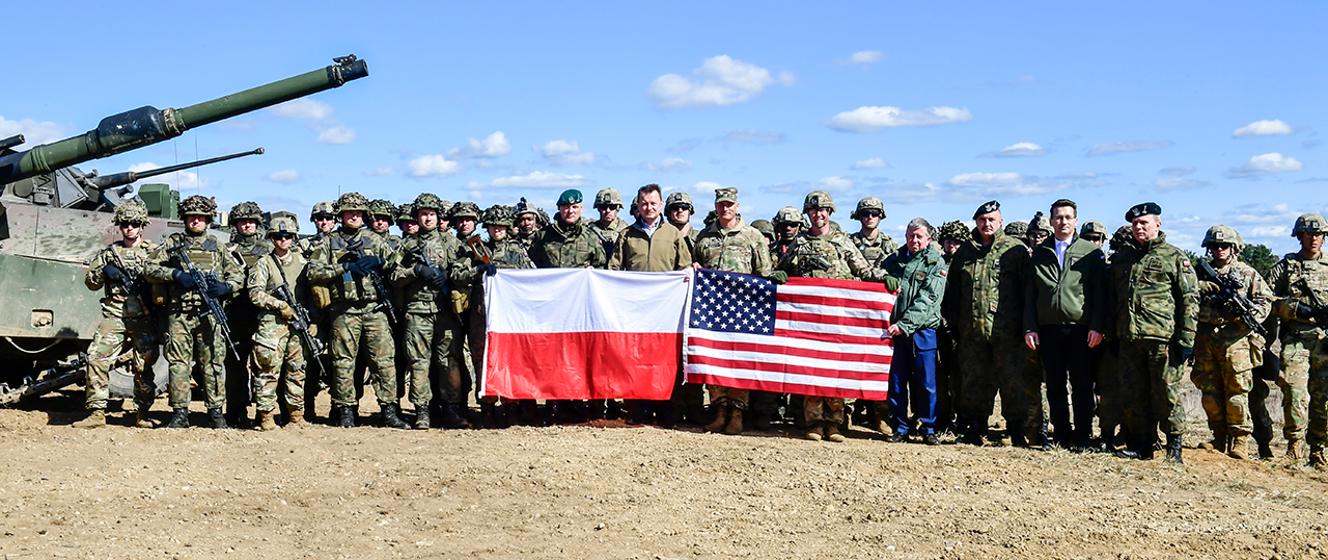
x=498 y=215
x=283 y=225
x=788 y=215
x=352 y=201
x=131 y=212
x=764 y=226
x=324 y=208
x=406 y=213
x=1220 y=234
x=246 y=211
x=1309 y=223
x=1016 y=229
x=608 y=197
x=818 y=199
x=464 y=210
x=986 y=208
x=198 y=205
x=1093 y=228
x=1040 y=223
x=678 y=199
x=569 y=197
x=1143 y=209
x=524 y=207
x=382 y=207
x=955 y=230
x=868 y=203
x=726 y=194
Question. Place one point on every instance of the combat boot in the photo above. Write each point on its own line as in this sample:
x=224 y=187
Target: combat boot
x=345 y=416
x=179 y=418
x=1317 y=459
x=141 y=419
x=1239 y=448
x=95 y=419
x=1265 y=450
x=813 y=433
x=391 y=418
x=832 y=433
x=1174 y=450
x=295 y=418
x=1218 y=443
x=216 y=420
x=489 y=415
x=265 y=421
x=760 y=421
x=450 y=419
x=721 y=420
x=422 y=418
x=734 y=427
x=1295 y=449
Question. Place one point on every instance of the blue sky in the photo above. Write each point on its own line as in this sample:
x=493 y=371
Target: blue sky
x=1212 y=109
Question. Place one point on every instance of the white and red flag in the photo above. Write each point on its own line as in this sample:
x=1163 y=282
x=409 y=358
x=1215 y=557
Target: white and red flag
x=583 y=333
x=810 y=336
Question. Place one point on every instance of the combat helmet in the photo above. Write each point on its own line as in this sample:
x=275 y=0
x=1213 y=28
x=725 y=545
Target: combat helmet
x=764 y=226
x=498 y=215
x=283 y=224
x=1016 y=229
x=1122 y=237
x=324 y=208
x=429 y=201
x=131 y=212
x=1093 y=228
x=524 y=207
x=788 y=215
x=818 y=199
x=955 y=230
x=1040 y=223
x=198 y=205
x=1220 y=234
x=464 y=210
x=677 y=199
x=405 y=213
x=246 y=211
x=350 y=202
x=608 y=197
x=382 y=207
x=868 y=203
x=1309 y=223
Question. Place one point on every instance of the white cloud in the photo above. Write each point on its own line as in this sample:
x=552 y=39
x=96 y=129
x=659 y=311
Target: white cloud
x=1021 y=149
x=1127 y=147
x=380 y=171
x=870 y=163
x=669 y=165
x=721 y=80
x=834 y=183
x=972 y=179
x=1273 y=127
x=535 y=180
x=1270 y=231
x=492 y=146
x=284 y=176
x=1277 y=214
x=992 y=184
x=434 y=165
x=1267 y=164
x=1177 y=178
x=304 y=109
x=336 y=135
x=709 y=187
x=34 y=132
x=873 y=118
x=565 y=152
x=179 y=180
x=865 y=57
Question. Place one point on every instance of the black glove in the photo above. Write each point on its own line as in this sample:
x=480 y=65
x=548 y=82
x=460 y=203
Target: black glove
x=216 y=288
x=113 y=273
x=1304 y=311
x=1186 y=354
x=363 y=265
x=183 y=280
x=426 y=273
x=488 y=269
x=779 y=277
x=438 y=282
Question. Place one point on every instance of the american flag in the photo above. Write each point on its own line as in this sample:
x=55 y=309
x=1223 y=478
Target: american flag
x=809 y=336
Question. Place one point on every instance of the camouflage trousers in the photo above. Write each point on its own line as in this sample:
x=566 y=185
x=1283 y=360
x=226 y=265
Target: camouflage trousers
x=822 y=409
x=1109 y=386
x=356 y=330
x=433 y=341
x=1151 y=374
x=129 y=342
x=1224 y=373
x=277 y=357
x=736 y=398
x=1019 y=384
x=193 y=338
x=1304 y=383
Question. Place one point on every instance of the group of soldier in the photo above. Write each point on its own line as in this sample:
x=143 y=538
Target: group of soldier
x=990 y=310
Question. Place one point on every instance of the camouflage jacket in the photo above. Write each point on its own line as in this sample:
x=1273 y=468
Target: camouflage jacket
x=562 y=245
x=1154 y=293
x=392 y=240
x=507 y=254
x=740 y=248
x=608 y=235
x=116 y=301
x=1289 y=279
x=829 y=255
x=876 y=248
x=443 y=249
x=249 y=248
x=326 y=265
x=973 y=288
x=921 y=279
x=207 y=254
x=307 y=245
x=268 y=274
x=1214 y=318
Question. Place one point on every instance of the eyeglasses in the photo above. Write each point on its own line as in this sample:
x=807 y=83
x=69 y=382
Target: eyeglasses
x=870 y=214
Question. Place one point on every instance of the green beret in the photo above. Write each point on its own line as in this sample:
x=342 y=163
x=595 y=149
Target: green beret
x=569 y=196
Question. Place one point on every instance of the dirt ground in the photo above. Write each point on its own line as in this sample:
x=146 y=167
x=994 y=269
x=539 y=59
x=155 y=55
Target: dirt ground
x=616 y=492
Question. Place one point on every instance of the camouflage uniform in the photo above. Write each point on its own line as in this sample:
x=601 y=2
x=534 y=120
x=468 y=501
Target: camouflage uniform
x=1225 y=350
x=241 y=312
x=876 y=245
x=562 y=245
x=1295 y=281
x=278 y=353
x=317 y=315
x=127 y=332
x=764 y=404
x=359 y=321
x=1156 y=304
x=192 y=336
x=1020 y=368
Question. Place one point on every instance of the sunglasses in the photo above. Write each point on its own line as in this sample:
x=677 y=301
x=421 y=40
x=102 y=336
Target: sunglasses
x=283 y=236
x=870 y=214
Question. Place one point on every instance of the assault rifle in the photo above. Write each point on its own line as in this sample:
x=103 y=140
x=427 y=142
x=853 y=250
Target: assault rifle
x=356 y=249
x=1229 y=298
x=444 y=296
x=200 y=289
x=131 y=282
x=1318 y=309
x=300 y=324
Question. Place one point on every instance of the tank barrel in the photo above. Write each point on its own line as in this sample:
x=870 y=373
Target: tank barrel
x=148 y=125
x=102 y=183
x=12 y=141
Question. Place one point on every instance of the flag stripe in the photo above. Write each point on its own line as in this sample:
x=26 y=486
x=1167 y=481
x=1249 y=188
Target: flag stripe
x=791 y=348
x=789 y=361
x=743 y=340
x=874 y=324
x=861 y=334
x=856 y=286
x=788 y=378
x=836 y=310
x=796 y=299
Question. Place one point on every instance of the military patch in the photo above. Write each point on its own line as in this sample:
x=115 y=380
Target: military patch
x=919 y=276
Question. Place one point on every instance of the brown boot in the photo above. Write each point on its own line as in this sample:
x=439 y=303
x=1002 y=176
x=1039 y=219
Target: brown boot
x=721 y=418
x=295 y=417
x=141 y=419
x=265 y=422
x=1240 y=448
x=734 y=427
x=832 y=433
x=1317 y=459
x=1295 y=449
x=95 y=419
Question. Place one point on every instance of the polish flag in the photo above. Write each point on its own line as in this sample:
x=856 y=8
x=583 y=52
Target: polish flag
x=582 y=333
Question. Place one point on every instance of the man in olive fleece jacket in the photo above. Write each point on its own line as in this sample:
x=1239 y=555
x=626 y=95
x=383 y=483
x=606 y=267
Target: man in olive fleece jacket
x=1064 y=311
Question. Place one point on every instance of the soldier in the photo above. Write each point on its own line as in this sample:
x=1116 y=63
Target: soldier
x=678 y=211
x=526 y=224
x=731 y=246
x=406 y=222
x=347 y=264
x=821 y=252
x=1038 y=230
x=381 y=214
x=767 y=229
x=193 y=336
x=874 y=244
x=1300 y=286
x=325 y=220
x=324 y=217
x=464 y=217
x=127 y=332
x=973 y=296
x=499 y=252
x=1110 y=409
x=247 y=245
x=1094 y=232
x=608 y=202
x=278 y=354
x=952 y=236
x=764 y=404
x=1226 y=348
x=1156 y=304
x=1018 y=230
x=919 y=276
